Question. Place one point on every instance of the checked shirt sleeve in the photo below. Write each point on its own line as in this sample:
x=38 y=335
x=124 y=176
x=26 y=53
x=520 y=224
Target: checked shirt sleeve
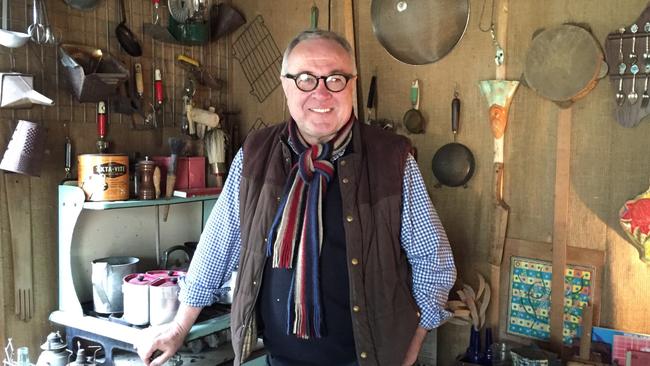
x=217 y=253
x=424 y=240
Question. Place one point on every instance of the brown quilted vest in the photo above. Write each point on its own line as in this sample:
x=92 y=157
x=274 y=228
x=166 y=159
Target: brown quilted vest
x=384 y=313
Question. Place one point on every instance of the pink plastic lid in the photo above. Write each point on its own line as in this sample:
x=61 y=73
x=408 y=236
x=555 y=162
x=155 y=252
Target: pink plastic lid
x=139 y=279
x=165 y=282
x=163 y=273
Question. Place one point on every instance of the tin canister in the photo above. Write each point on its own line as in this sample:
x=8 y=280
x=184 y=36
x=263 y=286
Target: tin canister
x=163 y=300
x=135 y=288
x=104 y=177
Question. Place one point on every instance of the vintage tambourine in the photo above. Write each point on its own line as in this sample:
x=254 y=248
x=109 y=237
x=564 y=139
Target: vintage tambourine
x=564 y=63
x=634 y=218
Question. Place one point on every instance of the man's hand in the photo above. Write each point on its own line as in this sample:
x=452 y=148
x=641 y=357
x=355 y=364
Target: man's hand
x=414 y=347
x=160 y=343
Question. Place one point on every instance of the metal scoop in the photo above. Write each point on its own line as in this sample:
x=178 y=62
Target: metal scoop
x=9 y=38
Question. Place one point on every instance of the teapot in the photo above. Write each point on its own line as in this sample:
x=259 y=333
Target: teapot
x=166 y=263
x=54 y=352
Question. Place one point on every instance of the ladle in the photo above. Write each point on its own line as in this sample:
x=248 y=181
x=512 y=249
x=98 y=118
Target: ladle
x=633 y=96
x=124 y=35
x=9 y=38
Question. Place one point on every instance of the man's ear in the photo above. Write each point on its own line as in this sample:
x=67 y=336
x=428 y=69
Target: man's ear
x=286 y=83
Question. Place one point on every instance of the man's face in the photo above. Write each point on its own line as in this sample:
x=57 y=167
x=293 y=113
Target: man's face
x=319 y=113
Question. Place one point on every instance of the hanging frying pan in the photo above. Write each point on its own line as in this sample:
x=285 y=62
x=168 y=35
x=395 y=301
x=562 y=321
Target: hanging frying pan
x=453 y=164
x=419 y=32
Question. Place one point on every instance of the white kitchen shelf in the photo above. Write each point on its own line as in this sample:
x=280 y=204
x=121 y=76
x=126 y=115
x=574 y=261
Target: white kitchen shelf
x=70 y=313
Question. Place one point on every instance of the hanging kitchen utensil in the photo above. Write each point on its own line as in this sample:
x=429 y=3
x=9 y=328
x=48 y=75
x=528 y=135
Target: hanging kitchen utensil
x=156 y=11
x=25 y=150
x=453 y=164
x=82 y=4
x=180 y=10
x=564 y=63
x=92 y=74
x=260 y=58
x=127 y=39
x=224 y=19
x=9 y=38
x=16 y=91
x=20 y=225
x=68 y=160
x=413 y=119
x=499 y=94
x=187 y=21
x=199 y=73
x=419 y=32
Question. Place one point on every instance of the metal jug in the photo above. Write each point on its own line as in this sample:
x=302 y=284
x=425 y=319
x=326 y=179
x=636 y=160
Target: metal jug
x=107 y=275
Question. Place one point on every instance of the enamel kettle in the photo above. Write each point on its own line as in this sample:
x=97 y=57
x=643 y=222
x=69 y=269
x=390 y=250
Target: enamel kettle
x=54 y=352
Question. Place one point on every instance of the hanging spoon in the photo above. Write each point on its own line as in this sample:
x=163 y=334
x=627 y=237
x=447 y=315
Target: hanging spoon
x=620 y=44
x=620 y=96
x=634 y=28
x=633 y=96
x=645 y=98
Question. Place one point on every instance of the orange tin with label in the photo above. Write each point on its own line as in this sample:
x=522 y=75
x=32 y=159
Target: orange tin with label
x=104 y=177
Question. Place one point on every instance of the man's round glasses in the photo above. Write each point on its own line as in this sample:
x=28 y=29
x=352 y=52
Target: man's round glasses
x=308 y=82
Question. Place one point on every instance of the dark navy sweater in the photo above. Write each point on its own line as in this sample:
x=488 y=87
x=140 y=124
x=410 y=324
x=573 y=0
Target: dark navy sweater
x=336 y=347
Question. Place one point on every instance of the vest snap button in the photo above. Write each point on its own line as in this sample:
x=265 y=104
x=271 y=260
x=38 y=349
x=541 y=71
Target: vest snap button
x=354 y=261
x=349 y=218
x=363 y=355
x=343 y=162
x=356 y=309
x=346 y=180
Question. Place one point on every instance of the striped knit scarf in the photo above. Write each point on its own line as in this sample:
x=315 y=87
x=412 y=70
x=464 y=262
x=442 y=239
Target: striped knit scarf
x=296 y=235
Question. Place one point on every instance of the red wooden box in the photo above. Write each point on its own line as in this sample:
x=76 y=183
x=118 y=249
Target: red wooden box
x=190 y=171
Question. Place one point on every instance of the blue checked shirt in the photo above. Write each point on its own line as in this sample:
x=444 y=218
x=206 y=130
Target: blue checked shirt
x=422 y=237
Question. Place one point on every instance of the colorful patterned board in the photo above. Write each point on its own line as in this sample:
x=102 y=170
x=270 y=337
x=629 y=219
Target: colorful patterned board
x=529 y=302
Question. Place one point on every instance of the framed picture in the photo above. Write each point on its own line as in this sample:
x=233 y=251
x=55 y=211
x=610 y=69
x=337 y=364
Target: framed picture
x=526 y=290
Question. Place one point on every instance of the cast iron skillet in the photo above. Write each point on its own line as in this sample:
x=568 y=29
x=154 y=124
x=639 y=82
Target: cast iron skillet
x=453 y=163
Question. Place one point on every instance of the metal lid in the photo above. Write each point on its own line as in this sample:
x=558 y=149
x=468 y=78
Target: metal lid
x=162 y=273
x=139 y=278
x=165 y=282
x=53 y=342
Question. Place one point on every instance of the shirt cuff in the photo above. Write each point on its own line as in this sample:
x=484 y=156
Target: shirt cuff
x=194 y=295
x=434 y=318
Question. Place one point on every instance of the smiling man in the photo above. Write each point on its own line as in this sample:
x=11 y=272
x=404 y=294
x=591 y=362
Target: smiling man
x=341 y=257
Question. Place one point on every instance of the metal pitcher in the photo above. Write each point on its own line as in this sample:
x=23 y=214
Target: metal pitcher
x=107 y=275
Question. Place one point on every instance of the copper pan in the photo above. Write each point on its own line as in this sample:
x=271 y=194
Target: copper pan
x=419 y=32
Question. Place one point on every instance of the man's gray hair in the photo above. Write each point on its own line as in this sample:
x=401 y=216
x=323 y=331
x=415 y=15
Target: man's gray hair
x=317 y=34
